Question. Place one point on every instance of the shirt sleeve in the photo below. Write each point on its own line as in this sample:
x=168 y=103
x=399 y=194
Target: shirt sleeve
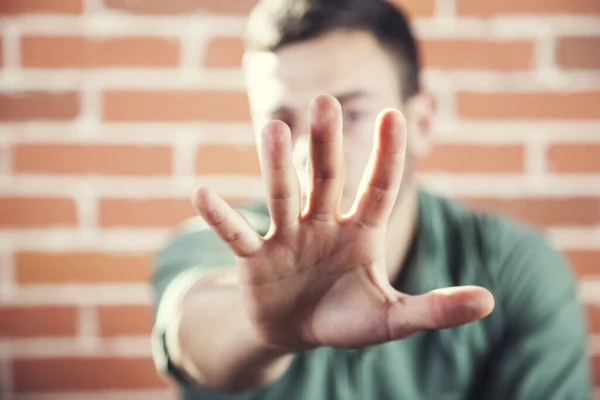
x=181 y=263
x=542 y=354
x=194 y=250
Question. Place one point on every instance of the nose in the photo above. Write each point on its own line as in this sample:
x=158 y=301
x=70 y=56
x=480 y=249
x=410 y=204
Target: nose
x=300 y=151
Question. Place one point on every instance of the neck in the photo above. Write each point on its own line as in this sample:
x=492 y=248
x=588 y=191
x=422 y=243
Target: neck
x=401 y=229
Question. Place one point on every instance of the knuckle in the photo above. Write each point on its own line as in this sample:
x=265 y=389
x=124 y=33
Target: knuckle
x=324 y=174
x=216 y=219
x=321 y=216
x=234 y=237
x=282 y=194
x=382 y=186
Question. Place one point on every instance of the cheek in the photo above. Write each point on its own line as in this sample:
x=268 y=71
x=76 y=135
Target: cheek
x=356 y=158
x=357 y=151
x=300 y=158
x=300 y=151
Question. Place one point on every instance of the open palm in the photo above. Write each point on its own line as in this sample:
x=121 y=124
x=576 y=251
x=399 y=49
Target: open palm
x=319 y=278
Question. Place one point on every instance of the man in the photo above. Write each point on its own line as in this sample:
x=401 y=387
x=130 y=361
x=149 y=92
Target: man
x=351 y=282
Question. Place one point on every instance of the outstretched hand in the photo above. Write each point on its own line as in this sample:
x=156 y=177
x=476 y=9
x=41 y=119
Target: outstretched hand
x=319 y=278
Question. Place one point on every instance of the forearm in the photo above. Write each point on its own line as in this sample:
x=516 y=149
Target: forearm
x=211 y=340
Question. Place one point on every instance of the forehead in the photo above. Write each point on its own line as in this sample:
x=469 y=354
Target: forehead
x=339 y=62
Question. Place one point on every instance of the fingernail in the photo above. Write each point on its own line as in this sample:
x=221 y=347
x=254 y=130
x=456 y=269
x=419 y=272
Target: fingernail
x=321 y=112
x=396 y=120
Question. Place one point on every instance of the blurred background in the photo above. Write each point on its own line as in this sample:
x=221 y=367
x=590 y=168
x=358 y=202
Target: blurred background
x=113 y=111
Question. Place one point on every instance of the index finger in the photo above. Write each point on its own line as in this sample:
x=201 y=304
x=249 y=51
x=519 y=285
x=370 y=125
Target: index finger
x=381 y=182
x=279 y=175
x=233 y=229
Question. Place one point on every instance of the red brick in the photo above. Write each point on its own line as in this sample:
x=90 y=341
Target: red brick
x=151 y=213
x=92 y=159
x=80 y=52
x=125 y=320
x=477 y=54
x=224 y=52
x=580 y=158
x=38 y=268
x=26 y=106
x=578 y=52
x=474 y=159
x=518 y=106
x=181 y=6
x=545 y=212
x=593 y=318
x=40 y=212
x=585 y=262
x=85 y=374
x=241 y=202
x=227 y=160
x=144 y=213
x=15 y=7
x=416 y=8
x=176 y=106
x=37 y=321
x=498 y=7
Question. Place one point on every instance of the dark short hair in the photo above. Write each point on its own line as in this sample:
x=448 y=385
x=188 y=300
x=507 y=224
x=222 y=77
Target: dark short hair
x=274 y=24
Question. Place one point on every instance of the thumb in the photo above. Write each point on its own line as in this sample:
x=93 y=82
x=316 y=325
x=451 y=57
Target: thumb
x=439 y=309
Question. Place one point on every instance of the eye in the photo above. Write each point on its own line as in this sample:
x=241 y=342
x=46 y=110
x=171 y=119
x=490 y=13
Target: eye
x=351 y=116
x=285 y=118
x=289 y=123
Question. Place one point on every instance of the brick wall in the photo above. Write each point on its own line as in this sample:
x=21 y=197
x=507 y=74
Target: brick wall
x=113 y=111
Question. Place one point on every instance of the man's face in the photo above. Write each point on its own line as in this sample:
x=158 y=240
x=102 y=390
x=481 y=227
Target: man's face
x=350 y=65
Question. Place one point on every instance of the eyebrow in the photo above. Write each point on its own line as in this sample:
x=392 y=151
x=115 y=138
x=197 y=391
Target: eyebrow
x=349 y=96
x=342 y=98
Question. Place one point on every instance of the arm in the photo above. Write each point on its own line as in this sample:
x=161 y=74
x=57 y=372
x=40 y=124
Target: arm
x=201 y=335
x=543 y=351
x=211 y=339
x=301 y=282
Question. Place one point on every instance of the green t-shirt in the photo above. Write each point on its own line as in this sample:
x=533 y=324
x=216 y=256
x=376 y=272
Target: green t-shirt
x=531 y=347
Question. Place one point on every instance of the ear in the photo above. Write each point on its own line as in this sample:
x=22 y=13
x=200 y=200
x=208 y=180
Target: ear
x=420 y=111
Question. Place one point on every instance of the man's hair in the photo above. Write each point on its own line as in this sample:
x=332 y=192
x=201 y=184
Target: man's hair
x=274 y=24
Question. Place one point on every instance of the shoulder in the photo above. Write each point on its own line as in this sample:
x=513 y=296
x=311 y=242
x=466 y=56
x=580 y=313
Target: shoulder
x=527 y=275
x=494 y=235
x=496 y=238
